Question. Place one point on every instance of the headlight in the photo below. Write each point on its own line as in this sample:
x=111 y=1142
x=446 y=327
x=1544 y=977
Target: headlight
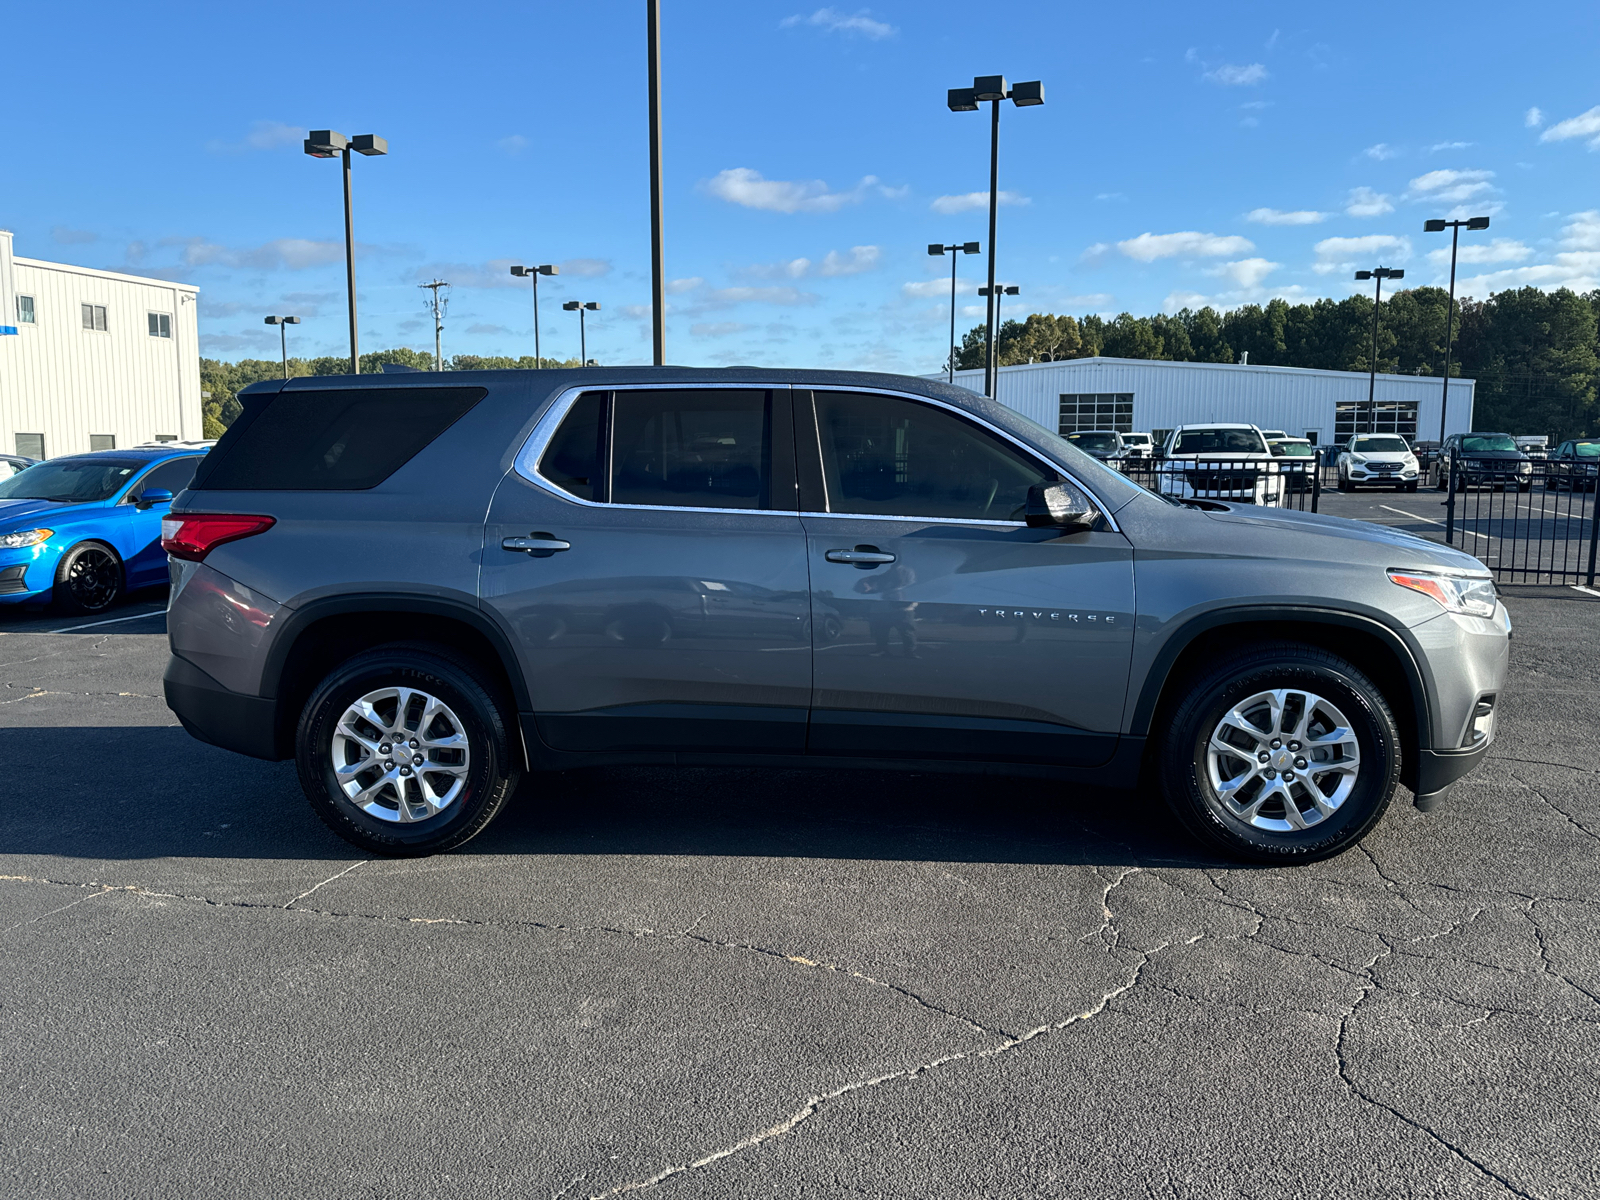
x=1525 y=468
x=23 y=537
x=1358 y=458
x=1470 y=594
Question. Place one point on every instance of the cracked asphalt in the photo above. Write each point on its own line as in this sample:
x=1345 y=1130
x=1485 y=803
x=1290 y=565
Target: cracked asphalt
x=733 y=983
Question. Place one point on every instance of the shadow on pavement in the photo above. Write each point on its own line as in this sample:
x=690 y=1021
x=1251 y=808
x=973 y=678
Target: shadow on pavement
x=113 y=793
x=122 y=617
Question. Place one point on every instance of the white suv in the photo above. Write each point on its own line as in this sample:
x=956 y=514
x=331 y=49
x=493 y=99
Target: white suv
x=1384 y=459
x=1220 y=461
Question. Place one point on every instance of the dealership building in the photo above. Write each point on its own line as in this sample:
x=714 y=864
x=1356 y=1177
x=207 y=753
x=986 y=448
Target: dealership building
x=93 y=360
x=1151 y=396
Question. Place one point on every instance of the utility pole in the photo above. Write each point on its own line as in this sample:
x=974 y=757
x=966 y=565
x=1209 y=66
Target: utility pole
x=437 y=306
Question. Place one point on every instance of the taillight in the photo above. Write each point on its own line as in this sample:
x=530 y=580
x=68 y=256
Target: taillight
x=195 y=535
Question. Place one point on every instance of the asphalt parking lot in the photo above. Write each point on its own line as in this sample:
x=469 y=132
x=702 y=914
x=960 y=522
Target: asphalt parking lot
x=736 y=983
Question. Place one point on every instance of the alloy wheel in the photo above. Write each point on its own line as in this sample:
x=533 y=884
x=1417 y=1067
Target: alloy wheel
x=401 y=755
x=92 y=579
x=1282 y=760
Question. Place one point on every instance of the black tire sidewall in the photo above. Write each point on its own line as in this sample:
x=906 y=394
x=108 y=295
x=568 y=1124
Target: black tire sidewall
x=491 y=775
x=61 y=594
x=1188 y=788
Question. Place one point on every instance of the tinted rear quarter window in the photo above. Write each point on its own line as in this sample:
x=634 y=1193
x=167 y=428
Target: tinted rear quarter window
x=338 y=439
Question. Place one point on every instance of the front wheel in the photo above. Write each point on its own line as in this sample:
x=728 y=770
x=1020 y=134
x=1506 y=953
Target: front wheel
x=1286 y=755
x=407 y=750
x=88 y=579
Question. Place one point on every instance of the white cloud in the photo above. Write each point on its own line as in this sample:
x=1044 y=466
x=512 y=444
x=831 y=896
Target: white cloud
x=1499 y=250
x=263 y=135
x=1148 y=247
x=1450 y=186
x=676 y=287
x=718 y=329
x=1364 y=202
x=861 y=259
x=515 y=144
x=1248 y=273
x=1583 y=125
x=1438 y=146
x=586 y=268
x=1095 y=253
x=486 y=329
x=1177 y=300
x=1382 y=152
x=1533 y=118
x=973 y=201
x=829 y=20
x=743 y=186
x=1478 y=208
x=293 y=254
x=1273 y=216
x=1346 y=253
x=725 y=297
x=1582 y=231
x=1230 y=75
x=933 y=288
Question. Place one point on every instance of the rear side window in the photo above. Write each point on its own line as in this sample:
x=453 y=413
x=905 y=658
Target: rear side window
x=573 y=460
x=343 y=439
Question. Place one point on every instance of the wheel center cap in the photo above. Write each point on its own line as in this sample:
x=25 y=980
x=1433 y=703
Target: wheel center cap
x=1283 y=761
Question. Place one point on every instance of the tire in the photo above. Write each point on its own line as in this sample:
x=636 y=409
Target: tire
x=89 y=579
x=1186 y=758
x=478 y=772
x=1412 y=486
x=1344 y=484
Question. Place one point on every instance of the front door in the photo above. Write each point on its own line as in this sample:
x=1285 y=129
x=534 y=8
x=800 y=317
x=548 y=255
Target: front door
x=144 y=561
x=663 y=604
x=945 y=627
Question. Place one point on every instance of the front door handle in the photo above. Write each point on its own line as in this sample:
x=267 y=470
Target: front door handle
x=539 y=545
x=861 y=556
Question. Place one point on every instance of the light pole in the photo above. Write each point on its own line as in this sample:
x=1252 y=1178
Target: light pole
x=658 y=282
x=997 y=292
x=581 y=307
x=283 y=337
x=325 y=143
x=935 y=249
x=1380 y=274
x=993 y=89
x=534 y=273
x=1449 y=322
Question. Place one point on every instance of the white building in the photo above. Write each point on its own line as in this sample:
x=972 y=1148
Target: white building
x=92 y=360
x=1129 y=395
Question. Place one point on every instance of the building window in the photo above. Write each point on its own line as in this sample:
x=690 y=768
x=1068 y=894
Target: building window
x=102 y=441
x=94 y=317
x=1091 y=410
x=30 y=445
x=160 y=325
x=25 y=314
x=166 y=437
x=1389 y=416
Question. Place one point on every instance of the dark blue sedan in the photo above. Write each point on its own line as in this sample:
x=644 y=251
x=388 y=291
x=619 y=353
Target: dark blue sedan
x=84 y=529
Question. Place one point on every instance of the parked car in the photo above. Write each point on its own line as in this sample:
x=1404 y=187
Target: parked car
x=1139 y=445
x=1299 y=461
x=10 y=464
x=83 y=529
x=1574 y=464
x=1482 y=460
x=1227 y=461
x=1105 y=444
x=1383 y=459
x=408 y=585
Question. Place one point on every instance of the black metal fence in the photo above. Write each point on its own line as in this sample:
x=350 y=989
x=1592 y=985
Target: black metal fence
x=1277 y=483
x=1529 y=522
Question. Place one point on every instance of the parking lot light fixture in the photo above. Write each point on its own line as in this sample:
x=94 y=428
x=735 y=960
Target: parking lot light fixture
x=935 y=249
x=325 y=143
x=1379 y=274
x=997 y=292
x=993 y=88
x=1439 y=225
x=283 y=338
x=581 y=307
x=534 y=273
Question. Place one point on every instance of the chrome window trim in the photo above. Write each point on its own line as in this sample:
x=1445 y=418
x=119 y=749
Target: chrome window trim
x=526 y=463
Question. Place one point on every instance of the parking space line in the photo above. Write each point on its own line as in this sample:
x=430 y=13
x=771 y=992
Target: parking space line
x=1431 y=521
x=1578 y=587
x=160 y=612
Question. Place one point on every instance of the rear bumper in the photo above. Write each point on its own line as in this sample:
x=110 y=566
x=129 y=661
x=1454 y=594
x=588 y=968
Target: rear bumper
x=210 y=712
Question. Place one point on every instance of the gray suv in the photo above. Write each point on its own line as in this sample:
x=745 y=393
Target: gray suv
x=422 y=588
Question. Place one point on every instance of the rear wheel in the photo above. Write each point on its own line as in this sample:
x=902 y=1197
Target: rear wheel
x=407 y=750
x=88 y=579
x=1287 y=755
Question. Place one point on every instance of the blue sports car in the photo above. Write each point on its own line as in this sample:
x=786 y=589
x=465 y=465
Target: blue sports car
x=85 y=528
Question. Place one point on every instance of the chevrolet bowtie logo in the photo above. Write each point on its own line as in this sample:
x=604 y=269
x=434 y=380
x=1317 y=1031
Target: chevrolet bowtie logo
x=1045 y=614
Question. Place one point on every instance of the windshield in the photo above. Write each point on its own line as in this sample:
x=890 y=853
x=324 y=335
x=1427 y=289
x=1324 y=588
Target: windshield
x=1294 y=450
x=1379 y=445
x=1093 y=441
x=1219 y=441
x=1587 y=449
x=70 y=480
x=1137 y=439
x=1483 y=443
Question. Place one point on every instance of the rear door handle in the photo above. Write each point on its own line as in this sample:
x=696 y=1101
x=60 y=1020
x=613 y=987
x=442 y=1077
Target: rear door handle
x=540 y=545
x=859 y=557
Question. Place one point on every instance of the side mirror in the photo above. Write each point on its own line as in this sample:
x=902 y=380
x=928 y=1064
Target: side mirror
x=1059 y=506
x=151 y=497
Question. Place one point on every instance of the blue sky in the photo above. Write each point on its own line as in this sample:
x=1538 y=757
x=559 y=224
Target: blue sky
x=1185 y=154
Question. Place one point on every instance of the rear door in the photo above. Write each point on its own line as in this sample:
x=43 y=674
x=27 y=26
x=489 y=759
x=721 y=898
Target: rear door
x=945 y=627
x=664 y=602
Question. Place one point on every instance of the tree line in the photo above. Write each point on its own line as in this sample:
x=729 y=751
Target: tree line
x=1535 y=355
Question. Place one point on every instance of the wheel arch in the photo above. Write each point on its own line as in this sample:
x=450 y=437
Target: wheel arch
x=1384 y=654
x=333 y=629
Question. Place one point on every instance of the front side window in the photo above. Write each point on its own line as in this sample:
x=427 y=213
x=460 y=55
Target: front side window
x=885 y=456
x=160 y=324
x=94 y=317
x=25 y=311
x=171 y=476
